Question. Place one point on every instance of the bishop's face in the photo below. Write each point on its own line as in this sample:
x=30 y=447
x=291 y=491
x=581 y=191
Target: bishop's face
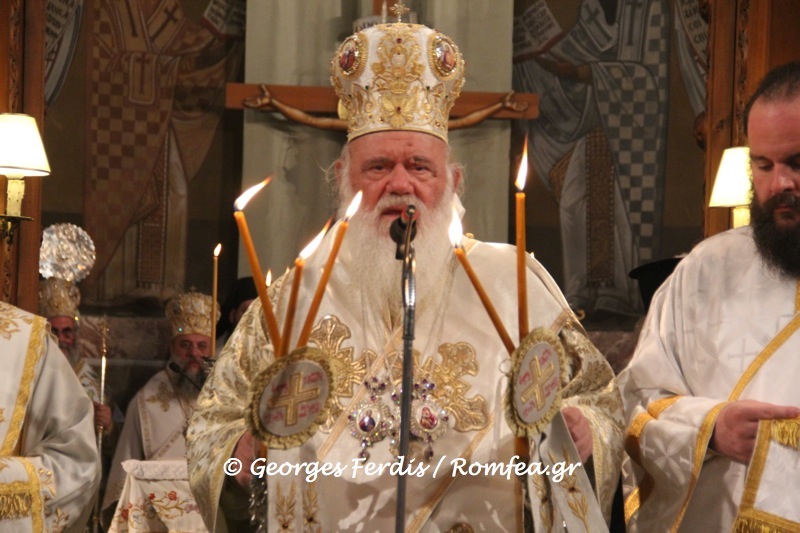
x=65 y=329
x=189 y=351
x=774 y=138
x=393 y=168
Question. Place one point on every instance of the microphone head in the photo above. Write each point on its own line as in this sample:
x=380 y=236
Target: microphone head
x=409 y=213
x=397 y=231
x=175 y=367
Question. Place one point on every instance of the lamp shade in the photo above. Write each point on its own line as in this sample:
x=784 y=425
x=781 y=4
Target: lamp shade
x=733 y=182
x=21 y=149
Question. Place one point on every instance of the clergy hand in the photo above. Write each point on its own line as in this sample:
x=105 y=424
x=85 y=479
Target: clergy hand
x=737 y=424
x=102 y=416
x=246 y=451
x=579 y=430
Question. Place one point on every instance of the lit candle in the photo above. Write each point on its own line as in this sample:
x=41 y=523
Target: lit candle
x=104 y=350
x=215 y=272
x=522 y=285
x=455 y=238
x=255 y=267
x=268 y=279
x=326 y=272
x=299 y=264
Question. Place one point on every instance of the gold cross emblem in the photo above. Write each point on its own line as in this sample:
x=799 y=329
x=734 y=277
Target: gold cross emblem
x=293 y=398
x=399 y=9
x=536 y=388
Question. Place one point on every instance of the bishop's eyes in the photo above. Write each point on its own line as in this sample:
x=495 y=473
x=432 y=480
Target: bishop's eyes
x=186 y=345
x=419 y=170
x=65 y=332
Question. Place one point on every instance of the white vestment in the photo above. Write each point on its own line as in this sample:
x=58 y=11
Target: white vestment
x=457 y=349
x=154 y=429
x=89 y=379
x=49 y=467
x=711 y=319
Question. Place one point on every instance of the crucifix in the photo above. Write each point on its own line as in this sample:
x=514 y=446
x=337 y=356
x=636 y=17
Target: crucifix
x=314 y=105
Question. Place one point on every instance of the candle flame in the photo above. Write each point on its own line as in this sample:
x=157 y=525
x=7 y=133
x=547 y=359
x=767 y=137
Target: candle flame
x=522 y=173
x=312 y=246
x=269 y=277
x=247 y=195
x=455 y=229
x=353 y=207
x=217 y=250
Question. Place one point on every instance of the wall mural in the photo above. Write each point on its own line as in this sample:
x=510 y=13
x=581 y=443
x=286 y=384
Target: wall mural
x=155 y=84
x=599 y=144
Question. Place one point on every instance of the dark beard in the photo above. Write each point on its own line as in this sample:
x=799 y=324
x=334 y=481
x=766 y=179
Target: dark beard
x=780 y=247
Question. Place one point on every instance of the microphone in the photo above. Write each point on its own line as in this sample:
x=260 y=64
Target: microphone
x=406 y=222
x=178 y=370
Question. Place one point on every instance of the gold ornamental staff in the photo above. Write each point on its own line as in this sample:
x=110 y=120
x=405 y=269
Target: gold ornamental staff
x=103 y=352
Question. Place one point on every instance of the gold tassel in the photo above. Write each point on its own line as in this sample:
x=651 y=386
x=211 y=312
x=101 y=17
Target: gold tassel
x=15 y=505
x=751 y=524
x=786 y=432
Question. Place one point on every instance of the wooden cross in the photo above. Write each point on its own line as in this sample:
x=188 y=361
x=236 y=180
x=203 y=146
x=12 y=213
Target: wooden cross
x=323 y=100
x=293 y=398
x=536 y=388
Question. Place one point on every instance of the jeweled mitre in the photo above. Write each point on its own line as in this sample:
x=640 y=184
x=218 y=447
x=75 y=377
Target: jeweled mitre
x=397 y=77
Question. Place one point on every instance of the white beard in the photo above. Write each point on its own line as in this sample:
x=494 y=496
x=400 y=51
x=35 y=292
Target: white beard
x=374 y=265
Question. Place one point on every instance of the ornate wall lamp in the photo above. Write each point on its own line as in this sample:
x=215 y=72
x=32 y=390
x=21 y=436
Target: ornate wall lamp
x=733 y=183
x=21 y=155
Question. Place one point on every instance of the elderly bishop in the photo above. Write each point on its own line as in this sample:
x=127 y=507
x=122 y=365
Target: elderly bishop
x=397 y=83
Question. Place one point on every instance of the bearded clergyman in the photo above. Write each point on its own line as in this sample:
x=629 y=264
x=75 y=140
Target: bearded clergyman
x=157 y=416
x=398 y=82
x=711 y=393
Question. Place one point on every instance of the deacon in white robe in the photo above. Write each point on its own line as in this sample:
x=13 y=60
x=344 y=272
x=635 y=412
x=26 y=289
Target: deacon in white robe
x=49 y=466
x=716 y=371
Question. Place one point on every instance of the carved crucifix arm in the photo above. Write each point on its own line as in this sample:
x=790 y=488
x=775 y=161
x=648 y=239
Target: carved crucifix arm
x=266 y=100
x=476 y=117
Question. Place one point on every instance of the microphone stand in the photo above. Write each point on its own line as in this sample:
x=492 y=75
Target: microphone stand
x=409 y=306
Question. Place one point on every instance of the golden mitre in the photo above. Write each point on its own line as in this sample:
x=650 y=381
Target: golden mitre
x=397 y=77
x=58 y=297
x=190 y=314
